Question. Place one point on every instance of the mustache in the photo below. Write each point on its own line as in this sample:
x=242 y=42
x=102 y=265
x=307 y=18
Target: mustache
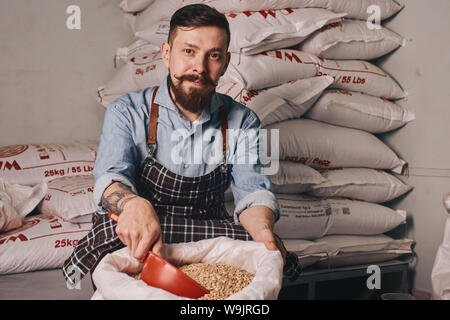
x=193 y=77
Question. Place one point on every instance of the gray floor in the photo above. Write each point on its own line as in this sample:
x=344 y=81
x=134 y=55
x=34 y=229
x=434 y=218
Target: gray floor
x=42 y=285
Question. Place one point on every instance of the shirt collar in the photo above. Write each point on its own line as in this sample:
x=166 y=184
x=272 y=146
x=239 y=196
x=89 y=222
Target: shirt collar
x=163 y=99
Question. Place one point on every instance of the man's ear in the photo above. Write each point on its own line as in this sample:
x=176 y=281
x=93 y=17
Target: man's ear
x=165 y=53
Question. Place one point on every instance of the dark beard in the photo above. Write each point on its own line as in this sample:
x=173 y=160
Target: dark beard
x=197 y=99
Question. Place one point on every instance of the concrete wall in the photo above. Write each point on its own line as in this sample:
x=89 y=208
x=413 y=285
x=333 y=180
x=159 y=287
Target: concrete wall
x=422 y=67
x=49 y=76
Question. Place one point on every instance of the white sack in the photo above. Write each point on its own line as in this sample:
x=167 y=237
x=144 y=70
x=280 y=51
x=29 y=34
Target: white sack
x=134 y=5
x=346 y=250
x=70 y=198
x=251 y=31
x=360 y=184
x=321 y=145
x=16 y=201
x=356 y=9
x=359 y=111
x=276 y=67
x=361 y=76
x=291 y=177
x=308 y=252
x=142 y=67
x=351 y=39
x=112 y=282
x=42 y=242
x=287 y=101
x=306 y=217
x=30 y=164
x=294 y=177
x=440 y=274
x=271 y=68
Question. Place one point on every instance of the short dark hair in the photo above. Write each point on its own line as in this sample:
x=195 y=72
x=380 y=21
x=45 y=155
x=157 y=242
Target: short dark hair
x=198 y=15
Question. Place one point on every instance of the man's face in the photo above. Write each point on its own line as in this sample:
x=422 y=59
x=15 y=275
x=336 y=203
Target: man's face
x=196 y=59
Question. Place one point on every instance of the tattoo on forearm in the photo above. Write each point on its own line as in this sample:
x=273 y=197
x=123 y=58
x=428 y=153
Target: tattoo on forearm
x=116 y=200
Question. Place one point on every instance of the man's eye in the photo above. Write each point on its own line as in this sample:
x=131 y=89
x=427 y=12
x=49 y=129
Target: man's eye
x=188 y=51
x=215 y=56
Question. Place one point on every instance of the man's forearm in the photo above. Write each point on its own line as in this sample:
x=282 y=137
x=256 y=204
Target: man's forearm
x=116 y=196
x=255 y=218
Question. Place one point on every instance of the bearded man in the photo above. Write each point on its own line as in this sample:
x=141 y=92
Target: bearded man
x=162 y=196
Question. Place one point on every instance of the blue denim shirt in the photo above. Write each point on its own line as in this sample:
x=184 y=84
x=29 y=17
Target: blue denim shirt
x=189 y=149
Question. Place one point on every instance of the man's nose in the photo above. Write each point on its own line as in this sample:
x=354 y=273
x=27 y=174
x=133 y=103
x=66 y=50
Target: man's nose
x=199 y=65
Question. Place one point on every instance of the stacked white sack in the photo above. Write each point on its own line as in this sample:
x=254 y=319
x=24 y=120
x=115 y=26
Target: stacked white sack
x=282 y=65
x=346 y=250
x=155 y=10
x=352 y=39
x=305 y=217
x=286 y=101
x=141 y=66
x=322 y=146
x=363 y=184
x=359 y=111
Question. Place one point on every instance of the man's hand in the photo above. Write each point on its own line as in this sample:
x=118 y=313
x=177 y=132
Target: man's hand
x=259 y=221
x=138 y=225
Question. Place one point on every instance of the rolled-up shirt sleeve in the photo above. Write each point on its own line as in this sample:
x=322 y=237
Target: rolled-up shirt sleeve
x=117 y=157
x=249 y=185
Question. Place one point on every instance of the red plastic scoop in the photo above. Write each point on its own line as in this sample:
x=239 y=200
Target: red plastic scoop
x=160 y=273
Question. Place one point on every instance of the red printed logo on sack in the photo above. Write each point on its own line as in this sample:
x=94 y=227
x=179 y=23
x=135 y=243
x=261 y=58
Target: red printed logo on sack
x=11 y=151
x=283 y=55
x=244 y=96
x=13 y=236
x=6 y=165
x=141 y=71
x=264 y=13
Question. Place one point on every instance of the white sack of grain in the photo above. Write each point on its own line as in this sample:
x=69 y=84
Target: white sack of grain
x=364 y=184
x=306 y=217
x=30 y=164
x=347 y=250
x=271 y=68
x=251 y=31
x=42 y=242
x=359 y=111
x=141 y=66
x=295 y=177
x=291 y=177
x=113 y=281
x=361 y=76
x=351 y=39
x=355 y=9
x=321 y=145
x=16 y=202
x=287 y=101
x=70 y=198
x=308 y=252
x=134 y=5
